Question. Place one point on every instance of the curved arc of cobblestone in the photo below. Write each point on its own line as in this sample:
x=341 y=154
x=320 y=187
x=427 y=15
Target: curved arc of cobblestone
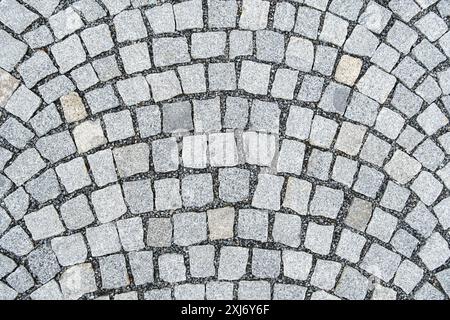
x=167 y=79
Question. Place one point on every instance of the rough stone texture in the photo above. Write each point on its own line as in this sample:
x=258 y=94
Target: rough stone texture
x=209 y=149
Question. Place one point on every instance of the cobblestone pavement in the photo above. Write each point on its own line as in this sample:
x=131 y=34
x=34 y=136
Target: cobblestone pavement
x=224 y=149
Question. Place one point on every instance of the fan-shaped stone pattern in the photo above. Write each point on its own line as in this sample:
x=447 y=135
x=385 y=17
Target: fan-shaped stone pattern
x=224 y=149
